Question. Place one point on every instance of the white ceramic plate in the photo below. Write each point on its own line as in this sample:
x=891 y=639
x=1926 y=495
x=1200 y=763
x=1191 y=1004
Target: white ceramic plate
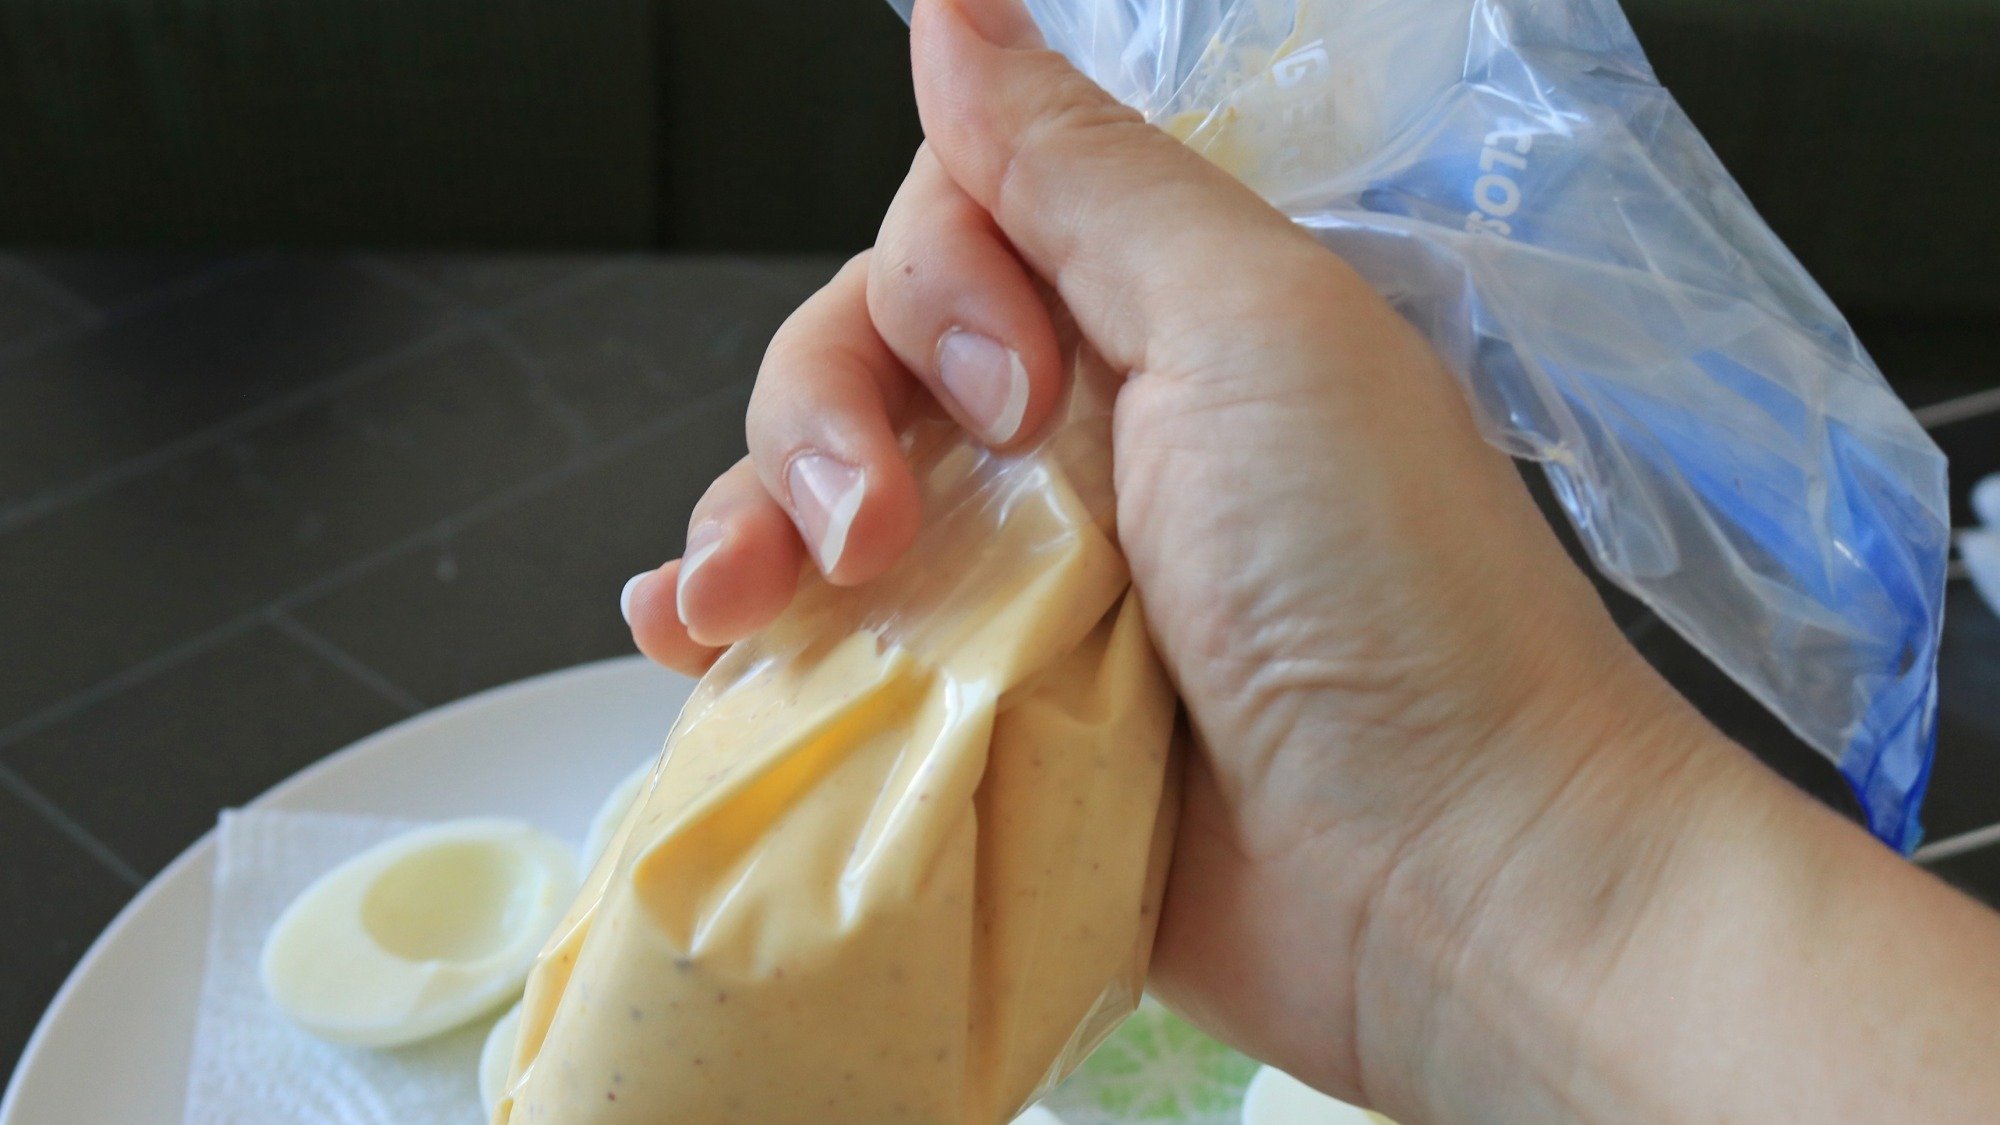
x=113 y=1046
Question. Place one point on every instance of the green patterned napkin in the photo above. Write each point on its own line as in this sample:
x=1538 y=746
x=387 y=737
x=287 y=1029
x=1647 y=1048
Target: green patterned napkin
x=1156 y=1067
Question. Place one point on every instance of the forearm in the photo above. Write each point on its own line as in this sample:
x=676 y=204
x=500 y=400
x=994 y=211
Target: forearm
x=1679 y=935
x=1794 y=969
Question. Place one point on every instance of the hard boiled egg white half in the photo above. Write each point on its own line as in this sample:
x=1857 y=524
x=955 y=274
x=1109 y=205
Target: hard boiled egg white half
x=496 y=1059
x=420 y=933
x=611 y=816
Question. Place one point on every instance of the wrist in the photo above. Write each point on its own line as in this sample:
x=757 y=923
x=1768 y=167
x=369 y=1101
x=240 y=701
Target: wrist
x=1499 y=927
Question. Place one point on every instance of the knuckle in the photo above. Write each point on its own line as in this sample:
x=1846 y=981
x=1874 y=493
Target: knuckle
x=803 y=331
x=796 y=328
x=1076 y=100
x=858 y=262
x=1077 y=119
x=713 y=498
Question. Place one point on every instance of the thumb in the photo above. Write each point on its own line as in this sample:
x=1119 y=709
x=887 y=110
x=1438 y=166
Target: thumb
x=1138 y=234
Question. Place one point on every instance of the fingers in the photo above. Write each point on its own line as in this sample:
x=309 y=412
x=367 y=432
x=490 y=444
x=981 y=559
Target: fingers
x=738 y=573
x=742 y=560
x=822 y=433
x=955 y=304
x=826 y=479
x=1035 y=172
x=1135 y=231
x=648 y=605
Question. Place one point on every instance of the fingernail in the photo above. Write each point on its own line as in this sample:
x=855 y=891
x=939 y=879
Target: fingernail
x=702 y=544
x=625 y=595
x=826 y=494
x=988 y=381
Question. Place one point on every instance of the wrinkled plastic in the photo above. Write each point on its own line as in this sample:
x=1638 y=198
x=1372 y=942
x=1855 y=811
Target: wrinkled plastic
x=902 y=857
x=1511 y=175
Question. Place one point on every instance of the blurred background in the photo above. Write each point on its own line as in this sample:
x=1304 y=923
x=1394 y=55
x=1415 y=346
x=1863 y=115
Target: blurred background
x=354 y=352
x=1864 y=129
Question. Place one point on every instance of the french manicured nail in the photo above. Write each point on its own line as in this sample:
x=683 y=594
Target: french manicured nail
x=826 y=494
x=625 y=595
x=702 y=544
x=987 y=380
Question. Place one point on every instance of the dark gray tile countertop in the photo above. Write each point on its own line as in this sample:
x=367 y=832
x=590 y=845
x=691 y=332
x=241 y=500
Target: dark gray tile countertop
x=253 y=509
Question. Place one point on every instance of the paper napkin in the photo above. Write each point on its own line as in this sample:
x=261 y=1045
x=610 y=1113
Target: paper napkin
x=253 y=1066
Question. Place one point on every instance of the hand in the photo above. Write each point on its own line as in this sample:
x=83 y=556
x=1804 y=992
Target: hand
x=1425 y=748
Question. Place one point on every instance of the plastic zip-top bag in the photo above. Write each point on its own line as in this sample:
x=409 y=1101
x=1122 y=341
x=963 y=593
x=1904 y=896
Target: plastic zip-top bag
x=902 y=857
x=1511 y=176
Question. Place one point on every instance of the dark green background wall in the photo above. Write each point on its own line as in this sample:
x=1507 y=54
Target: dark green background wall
x=326 y=121
x=1867 y=130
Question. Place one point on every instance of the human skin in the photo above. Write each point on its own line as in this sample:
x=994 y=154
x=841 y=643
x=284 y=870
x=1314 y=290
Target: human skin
x=1449 y=847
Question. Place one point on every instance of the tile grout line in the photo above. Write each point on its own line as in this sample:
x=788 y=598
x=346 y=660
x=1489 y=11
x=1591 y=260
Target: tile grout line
x=80 y=311
x=1958 y=845
x=62 y=496
x=15 y=516
x=540 y=391
x=500 y=501
x=389 y=273
x=491 y=327
x=345 y=661
x=36 y=339
x=450 y=525
x=1958 y=409
x=130 y=676
x=124 y=310
x=62 y=822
